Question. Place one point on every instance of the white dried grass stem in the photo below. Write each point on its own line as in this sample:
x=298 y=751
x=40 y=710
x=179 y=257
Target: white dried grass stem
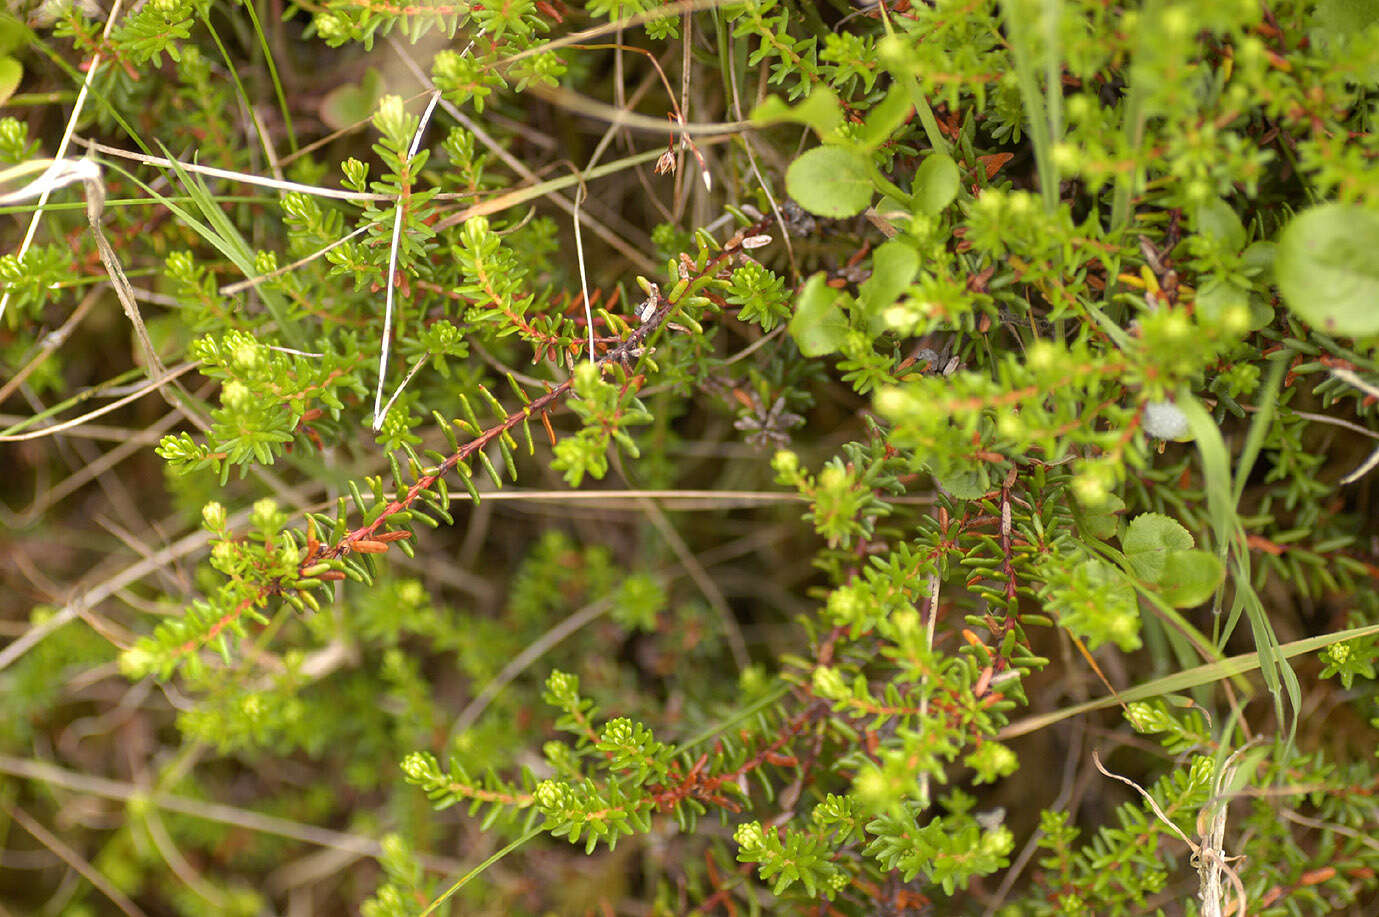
x=64 y=142
x=389 y=284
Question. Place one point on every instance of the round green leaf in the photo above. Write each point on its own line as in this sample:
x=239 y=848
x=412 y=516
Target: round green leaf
x=1216 y=300
x=1326 y=270
x=893 y=266
x=818 y=325
x=820 y=110
x=1190 y=577
x=1149 y=540
x=1103 y=521
x=348 y=104
x=937 y=182
x=831 y=181
x=11 y=72
x=967 y=484
x=1258 y=257
x=1219 y=220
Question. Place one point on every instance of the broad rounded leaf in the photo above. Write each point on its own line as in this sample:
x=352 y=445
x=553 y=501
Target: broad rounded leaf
x=1219 y=220
x=1217 y=299
x=967 y=484
x=818 y=325
x=1190 y=577
x=1258 y=257
x=937 y=182
x=893 y=266
x=830 y=181
x=11 y=72
x=820 y=110
x=885 y=117
x=349 y=104
x=1103 y=521
x=1326 y=269
x=1148 y=541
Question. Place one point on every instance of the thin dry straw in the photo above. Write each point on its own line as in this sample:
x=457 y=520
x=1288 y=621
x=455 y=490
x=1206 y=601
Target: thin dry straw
x=59 y=174
x=583 y=278
x=378 y=413
x=1368 y=464
x=101 y=411
x=65 y=142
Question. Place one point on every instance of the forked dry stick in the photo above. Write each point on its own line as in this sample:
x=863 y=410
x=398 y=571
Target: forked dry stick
x=1208 y=857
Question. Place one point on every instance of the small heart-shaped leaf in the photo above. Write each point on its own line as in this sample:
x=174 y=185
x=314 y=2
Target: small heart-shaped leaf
x=1103 y=521
x=967 y=484
x=1219 y=220
x=348 y=105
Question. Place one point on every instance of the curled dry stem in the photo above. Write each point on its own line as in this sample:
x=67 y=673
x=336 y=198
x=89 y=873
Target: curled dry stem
x=1209 y=856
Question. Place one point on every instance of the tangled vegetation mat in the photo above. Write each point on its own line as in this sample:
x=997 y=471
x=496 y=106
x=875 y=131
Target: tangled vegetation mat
x=726 y=457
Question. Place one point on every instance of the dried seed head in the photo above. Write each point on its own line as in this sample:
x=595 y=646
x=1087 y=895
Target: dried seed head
x=666 y=164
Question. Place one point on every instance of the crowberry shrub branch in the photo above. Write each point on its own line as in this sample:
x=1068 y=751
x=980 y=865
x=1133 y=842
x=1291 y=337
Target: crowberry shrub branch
x=322 y=564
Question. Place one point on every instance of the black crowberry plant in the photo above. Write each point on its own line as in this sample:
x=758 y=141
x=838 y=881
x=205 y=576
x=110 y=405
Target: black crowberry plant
x=719 y=456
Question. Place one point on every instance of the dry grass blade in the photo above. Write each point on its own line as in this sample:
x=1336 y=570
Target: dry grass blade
x=1371 y=390
x=247 y=178
x=538 y=188
x=210 y=811
x=519 y=663
x=391 y=279
x=574 y=38
x=1185 y=680
x=1208 y=856
x=242 y=285
x=602 y=111
x=151 y=386
x=60 y=173
x=91 y=70
x=51 y=343
x=910 y=491
x=74 y=860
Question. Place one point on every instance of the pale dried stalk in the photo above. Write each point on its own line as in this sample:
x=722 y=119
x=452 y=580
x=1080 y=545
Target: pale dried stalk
x=1368 y=464
x=390 y=283
x=65 y=141
x=1208 y=857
